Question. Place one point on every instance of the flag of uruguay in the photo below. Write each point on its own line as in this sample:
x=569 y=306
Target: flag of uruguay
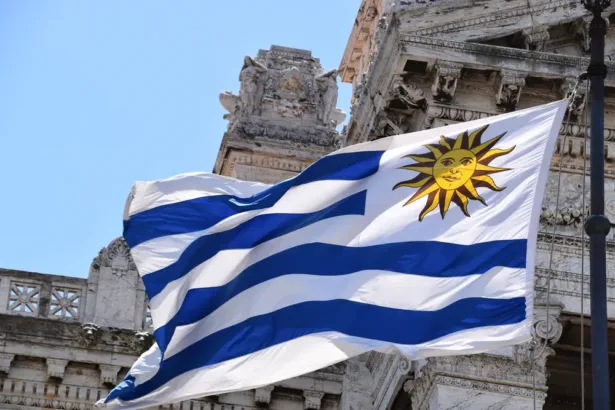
x=421 y=244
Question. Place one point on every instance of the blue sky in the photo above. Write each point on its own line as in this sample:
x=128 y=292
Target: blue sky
x=97 y=95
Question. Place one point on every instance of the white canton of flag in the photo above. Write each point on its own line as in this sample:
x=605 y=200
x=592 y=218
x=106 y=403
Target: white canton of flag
x=421 y=244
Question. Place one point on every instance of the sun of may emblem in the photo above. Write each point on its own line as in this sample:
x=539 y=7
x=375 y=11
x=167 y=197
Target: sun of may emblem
x=452 y=171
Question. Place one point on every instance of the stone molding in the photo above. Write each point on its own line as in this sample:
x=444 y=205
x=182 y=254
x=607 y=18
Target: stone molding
x=502 y=15
x=5 y=362
x=313 y=399
x=262 y=395
x=108 y=373
x=258 y=128
x=56 y=367
x=571 y=241
x=502 y=52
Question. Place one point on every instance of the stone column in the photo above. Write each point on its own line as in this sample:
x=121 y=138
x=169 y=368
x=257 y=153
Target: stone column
x=511 y=378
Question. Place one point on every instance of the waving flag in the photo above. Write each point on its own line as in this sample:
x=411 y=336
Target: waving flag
x=421 y=243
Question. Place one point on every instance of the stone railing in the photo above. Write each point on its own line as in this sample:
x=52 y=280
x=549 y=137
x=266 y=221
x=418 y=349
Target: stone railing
x=43 y=296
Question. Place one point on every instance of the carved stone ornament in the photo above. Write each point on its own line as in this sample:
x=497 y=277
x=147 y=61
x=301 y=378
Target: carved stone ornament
x=357 y=384
x=90 y=334
x=313 y=399
x=253 y=77
x=326 y=86
x=142 y=341
x=509 y=90
x=450 y=113
x=580 y=27
x=535 y=38
x=56 y=367
x=108 y=373
x=289 y=109
x=571 y=209
x=497 y=374
x=115 y=256
x=445 y=82
x=5 y=362
x=255 y=127
x=262 y=395
x=389 y=123
x=291 y=85
x=409 y=94
x=577 y=91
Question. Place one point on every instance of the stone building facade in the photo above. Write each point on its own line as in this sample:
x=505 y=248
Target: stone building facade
x=413 y=64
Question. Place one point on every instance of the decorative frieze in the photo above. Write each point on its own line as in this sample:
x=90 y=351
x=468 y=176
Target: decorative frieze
x=452 y=113
x=509 y=90
x=445 y=82
x=577 y=64
x=292 y=133
x=505 y=15
x=262 y=395
x=108 y=374
x=56 y=368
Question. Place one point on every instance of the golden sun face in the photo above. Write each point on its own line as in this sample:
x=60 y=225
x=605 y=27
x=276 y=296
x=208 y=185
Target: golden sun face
x=452 y=171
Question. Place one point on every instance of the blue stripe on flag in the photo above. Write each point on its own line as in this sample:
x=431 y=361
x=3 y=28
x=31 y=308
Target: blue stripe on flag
x=347 y=317
x=434 y=259
x=251 y=233
x=201 y=213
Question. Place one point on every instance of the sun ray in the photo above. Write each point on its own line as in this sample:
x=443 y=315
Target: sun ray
x=444 y=142
x=486 y=145
x=489 y=169
x=473 y=193
x=432 y=203
x=475 y=136
x=425 y=169
x=435 y=150
x=413 y=183
x=459 y=141
x=445 y=202
x=452 y=171
x=425 y=190
x=486 y=179
x=493 y=154
x=420 y=158
x=462 y=202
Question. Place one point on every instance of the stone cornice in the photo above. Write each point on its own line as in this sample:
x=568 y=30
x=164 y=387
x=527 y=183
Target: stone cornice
x=503 y=16
x=503 y=52
x=564 y=240
x=498 y=16
x=18 y=334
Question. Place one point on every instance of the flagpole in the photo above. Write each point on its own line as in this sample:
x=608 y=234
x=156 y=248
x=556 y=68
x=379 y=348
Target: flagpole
x=597 y=225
